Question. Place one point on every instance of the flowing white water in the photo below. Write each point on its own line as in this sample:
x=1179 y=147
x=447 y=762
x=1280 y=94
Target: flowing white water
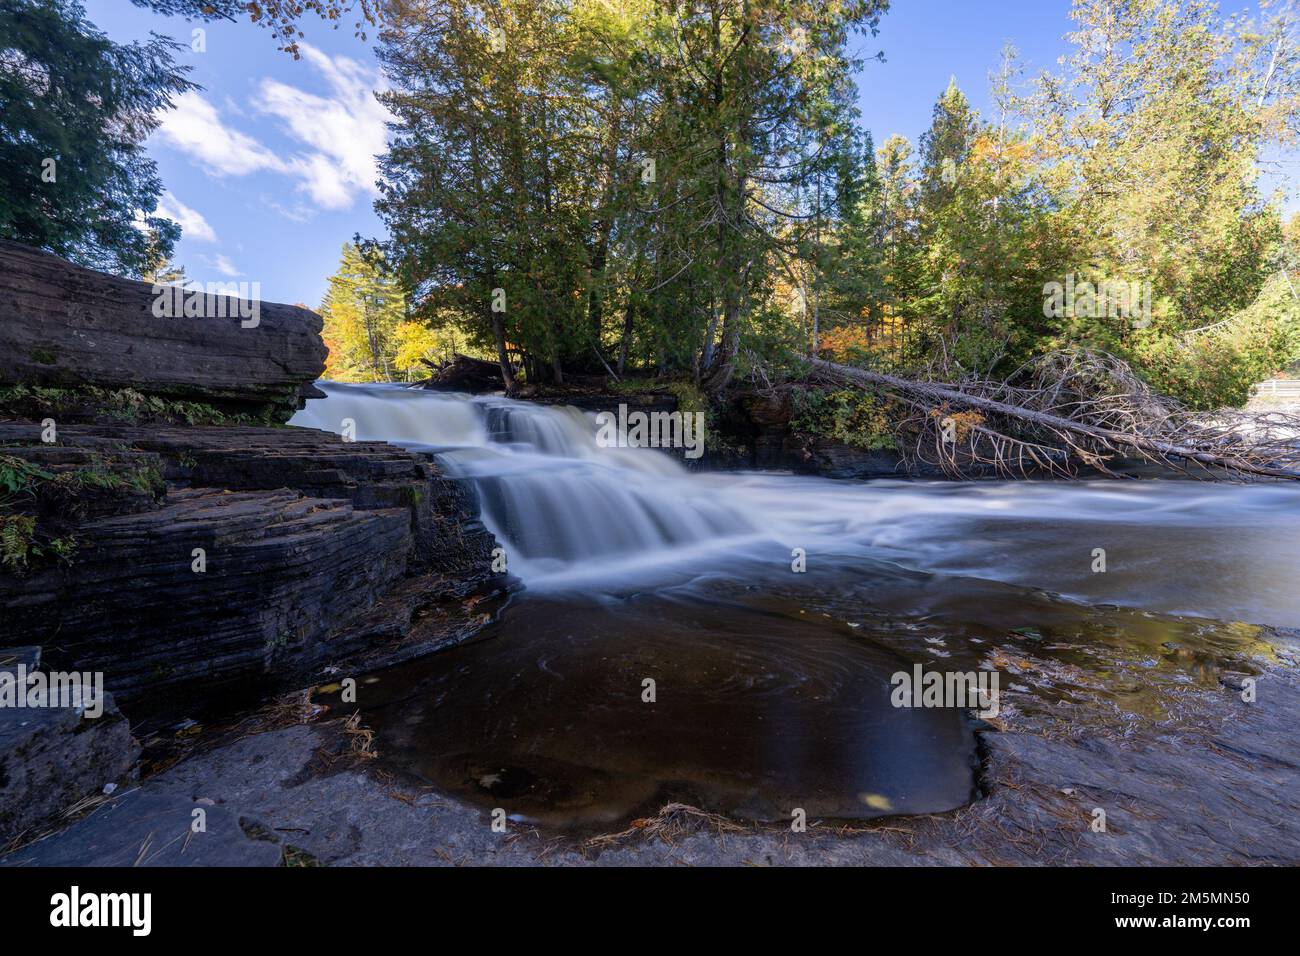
x=560 y=504
x=568 y=511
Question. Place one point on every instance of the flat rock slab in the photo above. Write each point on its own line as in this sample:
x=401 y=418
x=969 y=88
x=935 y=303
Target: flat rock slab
x=150 y=828
x=13 y=657
x=66 y=326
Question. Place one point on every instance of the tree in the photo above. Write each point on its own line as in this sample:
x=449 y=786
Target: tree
x=492 y=178
x=563 y=159
x=1154 y=131
x=364 y=311
x=282 y=17
x=649 y=186
x=945 y=146
x=75 y=110
x=853 y=264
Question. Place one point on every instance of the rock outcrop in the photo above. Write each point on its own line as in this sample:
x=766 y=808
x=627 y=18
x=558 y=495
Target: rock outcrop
x=53 y=756
x=150 y=535
x=65 y=326
x=465 y=374
x=758 y=432
x=272 y=553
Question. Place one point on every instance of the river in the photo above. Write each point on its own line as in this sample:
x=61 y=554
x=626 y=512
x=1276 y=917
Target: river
x=729 y=639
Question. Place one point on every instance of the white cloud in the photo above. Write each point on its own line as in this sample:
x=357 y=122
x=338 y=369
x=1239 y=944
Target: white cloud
x=298 y=212
x=226 y=267
x=193 y=225
x=345 y=130
x=195 y=128
x=340 y=133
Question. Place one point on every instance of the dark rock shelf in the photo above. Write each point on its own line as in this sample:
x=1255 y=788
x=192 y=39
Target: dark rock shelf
x=65 y=326
x=303 y=535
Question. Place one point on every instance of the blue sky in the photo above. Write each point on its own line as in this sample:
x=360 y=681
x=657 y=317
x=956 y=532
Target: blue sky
x=270 y=167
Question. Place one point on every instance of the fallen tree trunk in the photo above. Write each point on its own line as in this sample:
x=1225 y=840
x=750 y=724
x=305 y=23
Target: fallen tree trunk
x=1082 y=439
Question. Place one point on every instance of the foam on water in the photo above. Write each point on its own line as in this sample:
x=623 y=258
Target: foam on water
x=571 y=513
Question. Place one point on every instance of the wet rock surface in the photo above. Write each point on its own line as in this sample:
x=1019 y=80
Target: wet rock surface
x=313 y=551
x=1222 y=790
x=148 y=828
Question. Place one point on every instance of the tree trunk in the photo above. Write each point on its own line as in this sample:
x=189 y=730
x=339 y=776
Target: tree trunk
x=1148 y=446
x=499 y=335
x=629 y=312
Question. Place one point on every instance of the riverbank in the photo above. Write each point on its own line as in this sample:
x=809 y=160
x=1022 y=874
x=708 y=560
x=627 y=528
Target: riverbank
x=162 y=530
x=1211 y=782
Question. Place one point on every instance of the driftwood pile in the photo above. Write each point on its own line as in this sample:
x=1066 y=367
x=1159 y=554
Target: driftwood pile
x=1075 y=409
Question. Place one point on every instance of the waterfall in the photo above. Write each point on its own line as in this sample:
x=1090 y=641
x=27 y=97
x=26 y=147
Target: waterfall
x=555 y=499
x=570 y=512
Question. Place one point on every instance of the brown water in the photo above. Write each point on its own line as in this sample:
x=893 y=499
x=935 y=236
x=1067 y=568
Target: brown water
x=754 y=713
x=769 y=696
x=772 y=689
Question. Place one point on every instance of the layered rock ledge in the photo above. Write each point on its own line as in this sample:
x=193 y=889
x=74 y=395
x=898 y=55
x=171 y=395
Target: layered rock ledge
x=64 y=326
x=150 y=533
x=269 y=554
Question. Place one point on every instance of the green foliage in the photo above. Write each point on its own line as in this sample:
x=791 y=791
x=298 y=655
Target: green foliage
x=75 y=111
x=524 y=166
x=1137 y=162
x=684 y=192
x=22 y=545
x=1218 y=365
x=36 y=503
x=16 y=540
x=851 y=416
x=689 y=397
x=22 y=479
x=19 y=476
x=123 y=405
x=284 y=18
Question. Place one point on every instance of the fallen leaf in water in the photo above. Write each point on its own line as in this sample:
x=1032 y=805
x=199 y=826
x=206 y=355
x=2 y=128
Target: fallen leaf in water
x=876 y=801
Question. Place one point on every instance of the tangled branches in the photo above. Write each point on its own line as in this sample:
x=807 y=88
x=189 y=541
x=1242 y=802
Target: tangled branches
x=1076 y=408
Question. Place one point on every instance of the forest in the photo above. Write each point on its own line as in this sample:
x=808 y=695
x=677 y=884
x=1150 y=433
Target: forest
x=644 y=455
x=685 y=191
